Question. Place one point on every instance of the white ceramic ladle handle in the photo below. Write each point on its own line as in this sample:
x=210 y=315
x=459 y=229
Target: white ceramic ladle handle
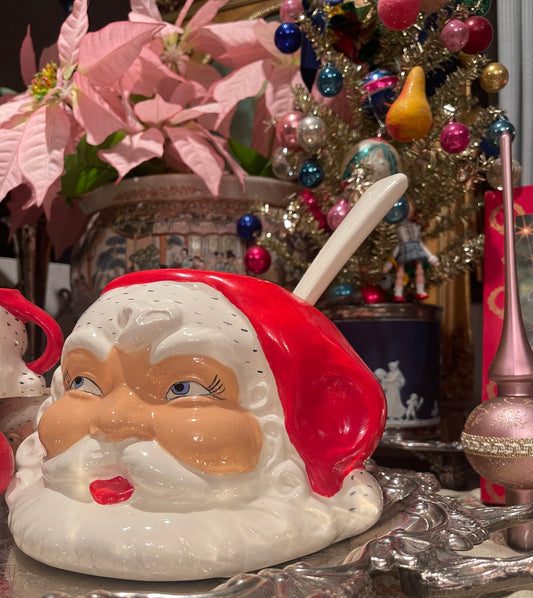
x=360 y=221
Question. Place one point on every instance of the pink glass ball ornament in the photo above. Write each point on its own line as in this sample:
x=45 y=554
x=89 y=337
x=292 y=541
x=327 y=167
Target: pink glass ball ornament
x=290 y=10
x=312 y=133
x=496 y=422
x=372 y=294
x=281 y=166
x=338 y=213
x=454 y=138
x=398 y=14
x=287 y=129
x=257 y=260
x=480 y=35
x=454 y=35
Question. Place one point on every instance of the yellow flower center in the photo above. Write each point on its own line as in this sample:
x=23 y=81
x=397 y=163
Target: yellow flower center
x=44 y=81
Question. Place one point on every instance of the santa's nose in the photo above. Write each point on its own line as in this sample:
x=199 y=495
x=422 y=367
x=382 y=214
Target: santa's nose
x=122 y=414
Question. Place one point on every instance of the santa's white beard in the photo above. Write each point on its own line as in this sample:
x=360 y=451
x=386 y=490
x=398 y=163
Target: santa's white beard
x=179 y=524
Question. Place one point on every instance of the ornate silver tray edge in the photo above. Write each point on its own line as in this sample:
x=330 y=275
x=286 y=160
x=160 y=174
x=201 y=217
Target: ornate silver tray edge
x=422 y=549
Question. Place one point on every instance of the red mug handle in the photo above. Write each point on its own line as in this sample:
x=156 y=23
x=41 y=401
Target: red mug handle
x=15 y=303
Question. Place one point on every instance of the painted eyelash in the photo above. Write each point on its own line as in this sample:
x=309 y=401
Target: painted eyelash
x=217 y=386
x=67 y=380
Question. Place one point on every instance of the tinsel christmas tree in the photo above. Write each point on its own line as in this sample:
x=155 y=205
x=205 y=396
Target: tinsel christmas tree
x=393 y=86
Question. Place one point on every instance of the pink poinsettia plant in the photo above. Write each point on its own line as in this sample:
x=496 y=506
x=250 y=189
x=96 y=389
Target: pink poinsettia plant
x=133 y=99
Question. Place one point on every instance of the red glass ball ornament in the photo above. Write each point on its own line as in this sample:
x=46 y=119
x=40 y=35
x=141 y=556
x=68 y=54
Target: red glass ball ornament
x=287 y=129
x=312 y=207
x=398 y=14
x=480 y=35
x=7 y=463
x=257 y=260
x=372 y=294
x=455 y=138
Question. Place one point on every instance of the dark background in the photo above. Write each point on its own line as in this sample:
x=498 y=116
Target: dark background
x=45 y=18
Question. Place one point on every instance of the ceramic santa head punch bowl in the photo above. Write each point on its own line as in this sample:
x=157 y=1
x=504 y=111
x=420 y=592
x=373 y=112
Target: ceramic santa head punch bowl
x=201 y=424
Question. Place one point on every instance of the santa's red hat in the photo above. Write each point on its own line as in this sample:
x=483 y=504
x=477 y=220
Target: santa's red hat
x=333 y=405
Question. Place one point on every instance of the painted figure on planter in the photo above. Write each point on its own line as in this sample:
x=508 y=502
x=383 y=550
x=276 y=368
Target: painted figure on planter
x=200 y=425
x=410 y=251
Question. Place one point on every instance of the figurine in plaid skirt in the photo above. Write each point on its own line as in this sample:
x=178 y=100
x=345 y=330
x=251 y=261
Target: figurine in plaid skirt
x=410 y=250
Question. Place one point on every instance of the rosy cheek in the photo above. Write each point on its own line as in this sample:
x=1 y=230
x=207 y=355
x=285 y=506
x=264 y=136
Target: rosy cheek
x=211 y=439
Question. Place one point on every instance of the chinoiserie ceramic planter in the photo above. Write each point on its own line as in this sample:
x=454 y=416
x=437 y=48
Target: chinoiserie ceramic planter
x=400 y=343
x=167 y=221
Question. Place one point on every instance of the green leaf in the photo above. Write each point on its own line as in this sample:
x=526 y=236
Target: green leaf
x=135 y=98
x=253 y=162
x=78 y=181
x=84 y=171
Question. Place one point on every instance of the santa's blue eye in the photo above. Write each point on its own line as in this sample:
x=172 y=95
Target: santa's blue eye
x=85 y=385
x=180 y=388
x=185 y=388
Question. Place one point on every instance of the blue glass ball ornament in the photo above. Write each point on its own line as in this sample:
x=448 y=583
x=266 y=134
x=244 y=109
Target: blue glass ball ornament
x=494 y=132
x=329 y=81
x=398 y=213
x=288 y=38
x=344 y=289
x=310 y=174
x=486 y=148
x=249 y=227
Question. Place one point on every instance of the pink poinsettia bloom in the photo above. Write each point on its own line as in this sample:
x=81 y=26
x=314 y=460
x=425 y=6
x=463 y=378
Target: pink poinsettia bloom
x=259 y=69
x=134 y=93
x=38 y=126
x=35 y=126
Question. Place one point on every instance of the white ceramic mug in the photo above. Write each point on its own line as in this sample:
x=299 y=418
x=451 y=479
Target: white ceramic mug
x=18 y=378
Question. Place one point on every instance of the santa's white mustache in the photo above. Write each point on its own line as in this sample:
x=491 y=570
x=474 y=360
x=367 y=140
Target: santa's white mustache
x=159 y=480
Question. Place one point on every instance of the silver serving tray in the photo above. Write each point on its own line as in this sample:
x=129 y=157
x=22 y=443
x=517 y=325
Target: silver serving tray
x=414 y=550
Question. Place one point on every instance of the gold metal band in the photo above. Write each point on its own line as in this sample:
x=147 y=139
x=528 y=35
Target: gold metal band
x=487 y=446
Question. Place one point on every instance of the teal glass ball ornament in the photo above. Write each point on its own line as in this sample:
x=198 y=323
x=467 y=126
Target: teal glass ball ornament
x=329 y=81
x=344 y=289
x=311 y=174
x=288 y=38
x=398 y=213
x=494 y=132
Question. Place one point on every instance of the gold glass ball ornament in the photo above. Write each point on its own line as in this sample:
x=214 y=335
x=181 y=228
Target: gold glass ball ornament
x=494 y=77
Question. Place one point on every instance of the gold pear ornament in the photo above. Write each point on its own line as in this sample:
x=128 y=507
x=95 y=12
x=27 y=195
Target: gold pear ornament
x=409 y=118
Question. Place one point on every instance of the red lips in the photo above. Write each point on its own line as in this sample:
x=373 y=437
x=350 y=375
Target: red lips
x=111 y=492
